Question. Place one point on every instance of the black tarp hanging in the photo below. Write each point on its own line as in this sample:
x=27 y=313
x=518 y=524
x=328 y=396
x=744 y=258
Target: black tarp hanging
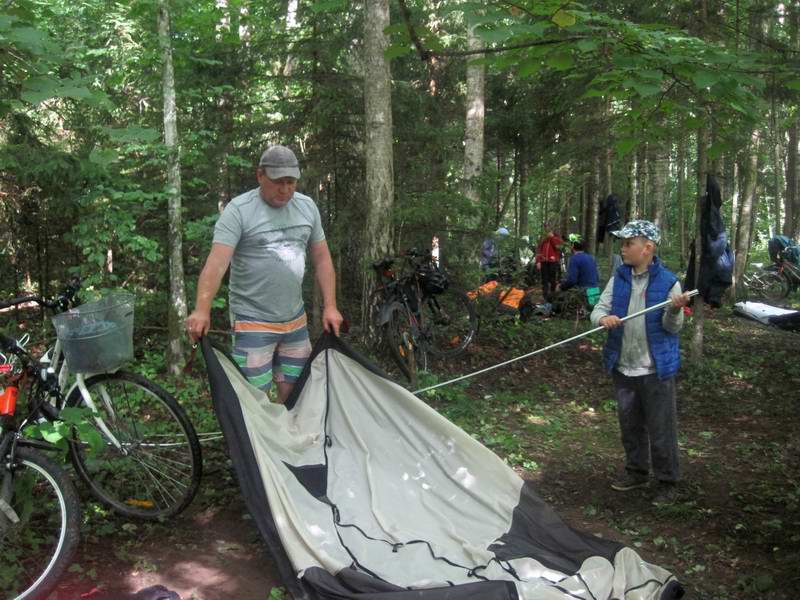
x=716 y=258
x=608 y=218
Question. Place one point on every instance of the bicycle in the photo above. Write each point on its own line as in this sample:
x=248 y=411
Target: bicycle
x=774 y=282
x=149 y=463
x=417 y=312
x=40 y=512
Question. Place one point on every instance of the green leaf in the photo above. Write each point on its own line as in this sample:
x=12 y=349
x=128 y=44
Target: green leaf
x=31 y=39
x=328 y=6
x=646 y=89
x=75 y=92
x=588 y=45
x=133 y=134
x=39 y=89
x=530 y=67
x=718 y=149
x=705 y=79
x=492 y=36
x=651 y=74
x=624 y=146
x=103 y=156
x=794 y=84
x=594 y=93
x=396 y=50
x=564 y=19
x=560 y=61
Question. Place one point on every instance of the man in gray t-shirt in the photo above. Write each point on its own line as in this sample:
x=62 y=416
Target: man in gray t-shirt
x=263 y=235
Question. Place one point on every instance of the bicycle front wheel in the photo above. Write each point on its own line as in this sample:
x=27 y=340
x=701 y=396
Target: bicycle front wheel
x=449 y=323
x=776 y=286
x=767 y=285
x=401 y=337
x=149 y=464
x=39 y=526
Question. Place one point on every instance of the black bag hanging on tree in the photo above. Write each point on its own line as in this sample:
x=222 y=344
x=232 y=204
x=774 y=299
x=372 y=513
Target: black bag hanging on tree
x=716 y=257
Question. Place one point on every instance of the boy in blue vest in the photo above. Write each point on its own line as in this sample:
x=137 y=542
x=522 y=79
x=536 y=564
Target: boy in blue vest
x=643 y=357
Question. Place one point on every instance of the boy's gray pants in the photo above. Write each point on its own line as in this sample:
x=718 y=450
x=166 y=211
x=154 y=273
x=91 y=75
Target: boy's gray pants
x=648 y=421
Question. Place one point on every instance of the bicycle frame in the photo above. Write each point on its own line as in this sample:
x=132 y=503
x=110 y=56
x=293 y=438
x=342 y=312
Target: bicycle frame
x=59 y=365
x=790 y=271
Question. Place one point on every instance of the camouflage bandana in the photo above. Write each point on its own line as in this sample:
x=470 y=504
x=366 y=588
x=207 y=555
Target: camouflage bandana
x=645 y=229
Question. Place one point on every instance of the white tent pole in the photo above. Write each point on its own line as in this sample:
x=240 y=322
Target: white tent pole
x=551 y=346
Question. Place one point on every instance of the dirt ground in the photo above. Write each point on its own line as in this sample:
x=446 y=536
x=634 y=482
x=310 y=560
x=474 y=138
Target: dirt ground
x=733 y=535
x=213 y=553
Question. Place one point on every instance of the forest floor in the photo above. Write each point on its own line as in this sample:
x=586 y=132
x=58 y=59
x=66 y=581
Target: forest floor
x=733 y=534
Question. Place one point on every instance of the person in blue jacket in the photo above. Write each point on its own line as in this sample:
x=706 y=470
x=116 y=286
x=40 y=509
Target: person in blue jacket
x=582 y=269
x=643 y=357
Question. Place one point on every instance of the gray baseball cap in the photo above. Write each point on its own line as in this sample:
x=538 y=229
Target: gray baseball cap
x=640 y=228
x=278 y=162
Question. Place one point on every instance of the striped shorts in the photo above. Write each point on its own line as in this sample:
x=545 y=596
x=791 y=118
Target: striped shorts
x=268 y=352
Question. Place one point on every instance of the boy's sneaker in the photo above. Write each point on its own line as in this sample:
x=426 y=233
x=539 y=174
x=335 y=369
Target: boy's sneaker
x=629 y=481
x=666 y=493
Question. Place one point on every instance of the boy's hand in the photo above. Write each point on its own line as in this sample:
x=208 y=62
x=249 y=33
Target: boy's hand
x=680 y=301
x=610 y=321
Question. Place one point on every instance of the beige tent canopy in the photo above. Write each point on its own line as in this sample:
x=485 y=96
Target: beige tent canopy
x=362 y=491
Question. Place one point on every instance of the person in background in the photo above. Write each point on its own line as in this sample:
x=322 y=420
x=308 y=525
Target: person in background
x=548 y=261
x=491 y=254
x=643 y=357
x=582 y=270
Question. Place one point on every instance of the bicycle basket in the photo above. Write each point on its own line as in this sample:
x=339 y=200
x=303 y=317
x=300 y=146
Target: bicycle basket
x=432 y=280
x=97 y=336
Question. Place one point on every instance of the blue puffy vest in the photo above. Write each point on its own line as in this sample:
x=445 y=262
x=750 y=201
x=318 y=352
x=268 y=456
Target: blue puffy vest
x=663 y=344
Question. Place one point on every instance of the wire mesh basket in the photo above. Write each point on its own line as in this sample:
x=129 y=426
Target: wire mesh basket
x=97 y=336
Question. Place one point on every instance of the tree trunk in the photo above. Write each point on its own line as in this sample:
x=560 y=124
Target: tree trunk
x=777 y=183
x=594 y=207
x=473 y=132
x=377 y=237
x=791 y=218
x=524 y=225
x=659 y=163
x=177 y=289
x=747 y=210
x=682 y=199
x=641 y=183
x=630 y=205
x=699 y=303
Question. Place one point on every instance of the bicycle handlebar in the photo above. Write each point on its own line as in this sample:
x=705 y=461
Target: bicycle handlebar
x=60 y=302
x=20 y=300
x=9 y=344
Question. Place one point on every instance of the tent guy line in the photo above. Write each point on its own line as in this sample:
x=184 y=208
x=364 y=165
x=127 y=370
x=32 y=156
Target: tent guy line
x=550 y=347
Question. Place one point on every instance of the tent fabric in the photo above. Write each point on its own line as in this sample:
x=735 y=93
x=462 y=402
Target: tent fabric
x=769 y=315
x=362 y=491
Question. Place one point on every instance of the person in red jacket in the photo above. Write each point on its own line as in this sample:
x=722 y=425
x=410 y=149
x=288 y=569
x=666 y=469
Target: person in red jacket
x=548 y=261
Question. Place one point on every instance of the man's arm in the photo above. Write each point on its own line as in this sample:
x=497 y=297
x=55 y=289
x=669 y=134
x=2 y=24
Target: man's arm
x=326 y=278
x=199 y=322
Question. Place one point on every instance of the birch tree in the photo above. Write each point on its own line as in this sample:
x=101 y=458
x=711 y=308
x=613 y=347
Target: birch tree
x=473 y=132
x=177 y=289
x=378 y=147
